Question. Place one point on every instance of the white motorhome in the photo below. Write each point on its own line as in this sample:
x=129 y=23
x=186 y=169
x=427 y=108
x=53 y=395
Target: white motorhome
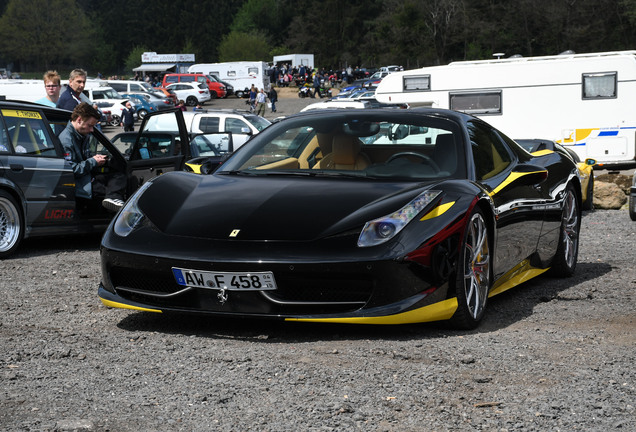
x=583 y=101
x=241 y=75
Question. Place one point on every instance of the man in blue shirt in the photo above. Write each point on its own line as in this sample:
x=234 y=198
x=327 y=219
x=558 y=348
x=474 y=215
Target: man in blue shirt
x=73 y=94
x=52 y=87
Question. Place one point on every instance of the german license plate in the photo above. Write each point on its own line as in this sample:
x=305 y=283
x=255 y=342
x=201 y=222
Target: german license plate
x=241 y=281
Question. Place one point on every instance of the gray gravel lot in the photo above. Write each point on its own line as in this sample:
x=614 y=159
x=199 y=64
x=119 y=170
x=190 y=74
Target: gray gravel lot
x=553 y=354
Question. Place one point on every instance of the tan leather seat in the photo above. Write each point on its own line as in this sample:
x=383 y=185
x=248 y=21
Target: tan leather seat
x=345 y=155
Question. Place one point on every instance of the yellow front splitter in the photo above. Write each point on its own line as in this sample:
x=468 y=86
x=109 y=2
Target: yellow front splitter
x=443 y=310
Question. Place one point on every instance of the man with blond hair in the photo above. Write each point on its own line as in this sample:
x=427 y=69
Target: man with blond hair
x=52 y=88
x=73 y=94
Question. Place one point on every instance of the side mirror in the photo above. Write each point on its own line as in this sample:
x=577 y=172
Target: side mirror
x=590 y=161
x=245 y=130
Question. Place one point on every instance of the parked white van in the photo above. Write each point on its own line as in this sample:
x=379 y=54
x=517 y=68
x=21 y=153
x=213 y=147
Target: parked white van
x=241 y=75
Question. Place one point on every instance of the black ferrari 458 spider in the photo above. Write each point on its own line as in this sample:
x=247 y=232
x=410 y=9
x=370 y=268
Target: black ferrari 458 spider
x=382 y=216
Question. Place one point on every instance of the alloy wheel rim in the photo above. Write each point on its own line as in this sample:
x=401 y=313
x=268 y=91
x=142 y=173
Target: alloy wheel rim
x=570 y=227
x=8 y=225
x=477 y=266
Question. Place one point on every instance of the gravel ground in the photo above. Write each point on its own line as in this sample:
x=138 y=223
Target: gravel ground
x=553 y=354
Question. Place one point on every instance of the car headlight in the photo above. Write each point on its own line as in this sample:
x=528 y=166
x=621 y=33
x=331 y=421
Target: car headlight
x=130 y=216
x=385 y=228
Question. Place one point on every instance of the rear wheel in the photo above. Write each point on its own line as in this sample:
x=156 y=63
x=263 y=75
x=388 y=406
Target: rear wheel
x=473 y=273
x=115 y=121
x=567 y=252
x=632 y=207
x=11 y=225
x=142 y=113
x=239 y=94
x=191 y=101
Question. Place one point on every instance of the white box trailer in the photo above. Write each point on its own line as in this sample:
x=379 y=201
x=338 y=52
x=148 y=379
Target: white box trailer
x=583 y=101
x=241 y=75
x=295 y=60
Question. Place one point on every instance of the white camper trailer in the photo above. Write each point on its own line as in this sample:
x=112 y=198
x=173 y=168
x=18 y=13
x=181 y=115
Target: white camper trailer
x=583 y=101
x=241 y=75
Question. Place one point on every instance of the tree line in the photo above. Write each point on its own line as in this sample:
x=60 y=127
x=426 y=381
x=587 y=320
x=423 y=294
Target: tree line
x=109 y=36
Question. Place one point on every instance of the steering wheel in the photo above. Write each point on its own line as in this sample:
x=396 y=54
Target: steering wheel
x=425 y=159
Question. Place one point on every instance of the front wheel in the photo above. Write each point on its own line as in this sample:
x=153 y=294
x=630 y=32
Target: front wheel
x=473 y=273
x=239 y=94
x=567 y=252
x=11 y=225
x=213 y=95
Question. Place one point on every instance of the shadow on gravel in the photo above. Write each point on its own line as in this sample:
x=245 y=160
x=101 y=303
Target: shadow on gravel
x=39 y=246
x=503 y=310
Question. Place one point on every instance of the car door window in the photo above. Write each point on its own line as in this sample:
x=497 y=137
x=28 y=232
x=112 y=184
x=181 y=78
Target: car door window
x=489 y=152
x=29 y=133
x=235 y=125
x=209 y=124
x=186 y=78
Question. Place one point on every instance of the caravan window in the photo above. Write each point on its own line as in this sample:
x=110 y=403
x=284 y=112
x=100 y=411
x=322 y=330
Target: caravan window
x=231 y=73
x=599 y=85
x=417 y=83
x=252 y=70
x=477 y=102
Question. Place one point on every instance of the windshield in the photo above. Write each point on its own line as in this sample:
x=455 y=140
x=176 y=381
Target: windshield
x=106 y=93
x=258 y=122
x=359 y=143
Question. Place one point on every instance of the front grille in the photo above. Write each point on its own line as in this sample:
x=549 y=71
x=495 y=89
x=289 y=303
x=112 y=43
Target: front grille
x=296 y=290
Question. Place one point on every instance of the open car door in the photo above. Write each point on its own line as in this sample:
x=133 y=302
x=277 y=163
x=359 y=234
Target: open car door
x=162 y=145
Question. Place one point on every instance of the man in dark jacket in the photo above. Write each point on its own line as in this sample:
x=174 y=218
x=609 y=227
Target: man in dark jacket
x=73 y=94
x=128 y=118
x=273 y=97
x=316 y=85
x=93 y=174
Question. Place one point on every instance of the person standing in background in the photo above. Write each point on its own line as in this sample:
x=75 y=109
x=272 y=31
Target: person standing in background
x=273 y=97
x=73 y=94
x=52 y=87
x=128 y=118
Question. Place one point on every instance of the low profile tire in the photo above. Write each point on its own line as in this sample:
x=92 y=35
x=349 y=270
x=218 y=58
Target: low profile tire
x=473 y=273
x=589 y=202
x=632 y=207
x=11 y=225
x=567 y=253
x=142 y=113
x=191 y=101
x=116 y=120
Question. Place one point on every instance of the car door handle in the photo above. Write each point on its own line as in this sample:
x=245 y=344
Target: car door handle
x=16 y=167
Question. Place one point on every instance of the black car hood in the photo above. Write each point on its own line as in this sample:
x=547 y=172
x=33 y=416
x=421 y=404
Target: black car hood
x=269 y=208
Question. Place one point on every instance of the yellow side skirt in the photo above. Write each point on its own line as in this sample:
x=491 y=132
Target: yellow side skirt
x=521 y=273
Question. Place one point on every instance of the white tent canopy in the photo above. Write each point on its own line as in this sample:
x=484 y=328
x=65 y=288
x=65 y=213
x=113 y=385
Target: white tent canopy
x=156 y=67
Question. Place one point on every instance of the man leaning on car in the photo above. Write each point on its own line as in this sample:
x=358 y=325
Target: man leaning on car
x=90 y=178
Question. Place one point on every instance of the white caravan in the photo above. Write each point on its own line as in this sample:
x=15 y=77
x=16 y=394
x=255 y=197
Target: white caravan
x=241 y=75
x=583 y=101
